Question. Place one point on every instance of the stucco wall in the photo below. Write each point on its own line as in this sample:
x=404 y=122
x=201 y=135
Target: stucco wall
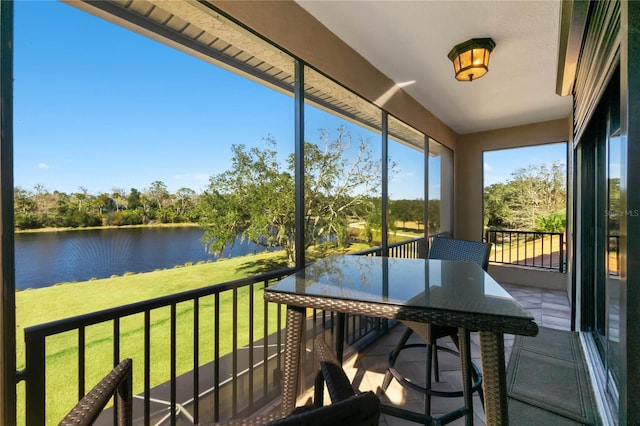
x=531 y=277
x=468 y=167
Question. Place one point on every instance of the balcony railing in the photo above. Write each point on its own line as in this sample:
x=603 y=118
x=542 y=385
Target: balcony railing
x=224 y=368
x=411 y=249
x=544 y=250
x=233 y=349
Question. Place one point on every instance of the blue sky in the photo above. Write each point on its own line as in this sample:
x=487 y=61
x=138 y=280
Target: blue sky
x=498 y=165
x=100 y=107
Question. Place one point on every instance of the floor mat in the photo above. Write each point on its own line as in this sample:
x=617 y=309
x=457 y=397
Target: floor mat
x=549 y=371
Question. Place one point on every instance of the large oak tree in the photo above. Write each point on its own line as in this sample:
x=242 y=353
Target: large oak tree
x=254 y=198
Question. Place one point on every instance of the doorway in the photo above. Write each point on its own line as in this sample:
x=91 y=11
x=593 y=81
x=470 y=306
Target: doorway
x=598 y=158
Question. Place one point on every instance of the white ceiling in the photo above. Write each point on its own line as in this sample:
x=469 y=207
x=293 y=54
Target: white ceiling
x=409 y=40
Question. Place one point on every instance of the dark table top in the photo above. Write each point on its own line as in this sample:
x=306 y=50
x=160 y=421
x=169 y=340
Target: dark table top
x=451 y=286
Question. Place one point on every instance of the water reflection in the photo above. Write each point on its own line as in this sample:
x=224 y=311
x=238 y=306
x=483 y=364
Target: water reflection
x=47 y=258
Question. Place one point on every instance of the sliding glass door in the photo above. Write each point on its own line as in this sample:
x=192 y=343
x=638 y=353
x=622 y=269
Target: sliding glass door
x=599 y=162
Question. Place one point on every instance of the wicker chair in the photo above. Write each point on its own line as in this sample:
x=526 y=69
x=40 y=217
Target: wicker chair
x=347 y=407
x=445 y=249
x=117 y=383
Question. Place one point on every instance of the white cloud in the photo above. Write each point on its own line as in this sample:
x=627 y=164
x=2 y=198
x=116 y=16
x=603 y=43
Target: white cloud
x=43 y=166
x=487 y=167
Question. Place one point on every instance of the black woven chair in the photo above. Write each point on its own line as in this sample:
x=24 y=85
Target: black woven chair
x=347 y=407
x=445 y=249
x=117 y=383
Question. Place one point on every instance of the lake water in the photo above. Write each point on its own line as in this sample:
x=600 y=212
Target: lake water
x=47 y=258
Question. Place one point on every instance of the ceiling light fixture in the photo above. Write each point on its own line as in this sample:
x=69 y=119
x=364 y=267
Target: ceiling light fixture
x=471 y=58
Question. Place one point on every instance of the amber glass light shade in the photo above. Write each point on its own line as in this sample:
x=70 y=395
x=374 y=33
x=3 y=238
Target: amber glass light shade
x=471 y=58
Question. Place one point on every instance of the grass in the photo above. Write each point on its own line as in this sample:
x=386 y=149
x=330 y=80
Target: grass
x=37 y=306
x=68 y=300
x=402 y=232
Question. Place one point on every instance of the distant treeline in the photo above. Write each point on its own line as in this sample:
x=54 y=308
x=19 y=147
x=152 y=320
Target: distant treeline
x=42 y=208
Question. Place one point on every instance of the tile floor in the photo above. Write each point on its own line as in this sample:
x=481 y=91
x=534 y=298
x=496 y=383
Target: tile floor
x=366 y=369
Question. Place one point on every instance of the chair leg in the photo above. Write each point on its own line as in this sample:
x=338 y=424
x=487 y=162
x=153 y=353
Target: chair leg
x=436 y=364
x=456 y=341
x=394 y=355
x=434 y=347
x=479 y=390
x=464 y=348
x=427 y=385
x=318 y=390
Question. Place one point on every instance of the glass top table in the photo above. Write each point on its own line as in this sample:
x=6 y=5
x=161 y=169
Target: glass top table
x=453 y=293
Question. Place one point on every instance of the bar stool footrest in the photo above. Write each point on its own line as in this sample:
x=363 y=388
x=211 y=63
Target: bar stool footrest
x=405 y=382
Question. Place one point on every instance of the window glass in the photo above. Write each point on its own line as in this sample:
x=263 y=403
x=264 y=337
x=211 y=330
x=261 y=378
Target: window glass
x=525 y=188
x=525 y=198
x=406 y=181
x=440 y=203
x=155 y=161
x=612 y=263
x=342 y=168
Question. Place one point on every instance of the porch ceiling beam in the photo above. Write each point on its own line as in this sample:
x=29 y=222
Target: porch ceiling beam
x=573 y=19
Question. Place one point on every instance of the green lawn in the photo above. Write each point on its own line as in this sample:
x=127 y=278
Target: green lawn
x=67 y=300
x=38 y=306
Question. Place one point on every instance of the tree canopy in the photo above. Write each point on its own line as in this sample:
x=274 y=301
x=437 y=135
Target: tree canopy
x=42 y=208
x=534 y=199
x=255 y=197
